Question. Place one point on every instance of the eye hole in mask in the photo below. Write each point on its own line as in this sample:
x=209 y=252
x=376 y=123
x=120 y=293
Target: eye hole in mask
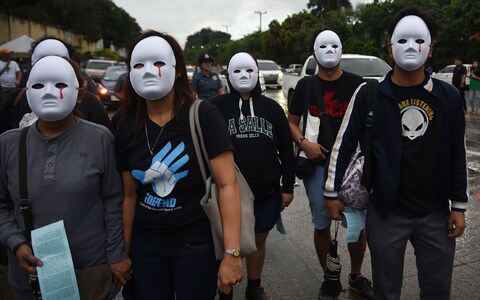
x=61 y=85
x=37 y=86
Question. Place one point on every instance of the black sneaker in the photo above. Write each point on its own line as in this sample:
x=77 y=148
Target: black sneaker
x=256 y=294
x=322 y=294
x=361 y=285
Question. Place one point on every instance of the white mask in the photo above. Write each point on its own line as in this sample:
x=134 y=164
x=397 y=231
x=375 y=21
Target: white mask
x=49 y=47
x=410 y=43
x=52 y=88
x=243 y=72
x=328 y=49
x=152 y=66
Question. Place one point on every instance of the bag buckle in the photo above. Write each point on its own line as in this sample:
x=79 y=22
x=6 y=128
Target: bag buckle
x=24 y=204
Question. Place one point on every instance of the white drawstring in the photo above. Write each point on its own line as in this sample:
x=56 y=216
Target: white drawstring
x=240 y=103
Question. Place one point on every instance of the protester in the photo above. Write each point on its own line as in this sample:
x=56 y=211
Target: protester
x=336 y=88
x=206 y=84
x=166 y=231
x=459 y=78
x=419 y=175
x=474 y=89
x=56 y=184
x=10 y=74
x=15 y=110
x=263 y=152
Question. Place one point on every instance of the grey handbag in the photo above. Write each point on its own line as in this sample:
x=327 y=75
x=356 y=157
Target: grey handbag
x=209 y=202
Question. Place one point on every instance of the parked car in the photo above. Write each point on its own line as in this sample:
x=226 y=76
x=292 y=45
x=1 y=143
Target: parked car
x=107 y=85
x=363 y=65
x=190 y=72
x=95 y=68
x=272 y=74
x=294 y=68
x=446 y=73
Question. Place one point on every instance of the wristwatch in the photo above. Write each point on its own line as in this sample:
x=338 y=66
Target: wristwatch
x=300 y=140
x=233 y=252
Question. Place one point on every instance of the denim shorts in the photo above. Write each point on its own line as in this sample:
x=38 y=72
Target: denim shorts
x=267 y=211
x=314 y=187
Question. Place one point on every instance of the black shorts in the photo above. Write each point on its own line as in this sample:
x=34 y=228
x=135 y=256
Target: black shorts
x=267 y=211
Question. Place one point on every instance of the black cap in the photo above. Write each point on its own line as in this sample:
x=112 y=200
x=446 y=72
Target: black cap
x=204 y=58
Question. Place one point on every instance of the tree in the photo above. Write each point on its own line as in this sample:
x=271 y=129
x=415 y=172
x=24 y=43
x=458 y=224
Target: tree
x=319 y=7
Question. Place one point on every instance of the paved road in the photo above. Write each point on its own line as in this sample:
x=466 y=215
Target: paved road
x=292 y=270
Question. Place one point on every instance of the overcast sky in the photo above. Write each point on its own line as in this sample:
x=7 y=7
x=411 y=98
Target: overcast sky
x=181 y=18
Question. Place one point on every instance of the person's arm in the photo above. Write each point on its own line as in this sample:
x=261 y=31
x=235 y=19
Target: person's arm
x=19 y=78
x=458 y=183
x=286 y=156
x=129 y=198
x=111 y=193
x=230 y=271
x=347 y=140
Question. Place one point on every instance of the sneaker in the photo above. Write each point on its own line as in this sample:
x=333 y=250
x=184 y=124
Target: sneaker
x=322 y=294
x=256 y=294
x=361 y=285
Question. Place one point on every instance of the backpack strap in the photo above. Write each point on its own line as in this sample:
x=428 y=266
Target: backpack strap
x=325 y=128
x=5 y=68
x=25 y=206
x=372 y=97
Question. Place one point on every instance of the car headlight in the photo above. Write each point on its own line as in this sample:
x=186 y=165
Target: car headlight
x=102 y=90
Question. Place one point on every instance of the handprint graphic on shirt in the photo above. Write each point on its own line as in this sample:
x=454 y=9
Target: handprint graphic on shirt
x=162 y=173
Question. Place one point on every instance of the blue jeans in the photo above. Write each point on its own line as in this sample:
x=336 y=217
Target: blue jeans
x=177 y=271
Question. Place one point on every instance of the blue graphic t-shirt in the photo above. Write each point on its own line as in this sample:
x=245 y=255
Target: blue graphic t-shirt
x=170 y=184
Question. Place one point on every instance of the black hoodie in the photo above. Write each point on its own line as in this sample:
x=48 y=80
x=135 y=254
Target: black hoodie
x=263 y=146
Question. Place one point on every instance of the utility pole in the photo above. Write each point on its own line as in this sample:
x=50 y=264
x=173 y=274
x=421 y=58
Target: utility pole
x=260 y=13
x=226 y=27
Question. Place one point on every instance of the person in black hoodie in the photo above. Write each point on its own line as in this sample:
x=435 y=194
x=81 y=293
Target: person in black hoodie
x=263 y=151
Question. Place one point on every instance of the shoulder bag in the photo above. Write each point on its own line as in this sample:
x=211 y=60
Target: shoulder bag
x=303 y=166
x=354 y=191
x=209 y=202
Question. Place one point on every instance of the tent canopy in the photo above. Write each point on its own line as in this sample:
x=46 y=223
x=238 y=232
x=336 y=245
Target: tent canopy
x=22 y=44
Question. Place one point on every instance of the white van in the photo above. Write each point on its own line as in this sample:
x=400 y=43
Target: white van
x=272 y=74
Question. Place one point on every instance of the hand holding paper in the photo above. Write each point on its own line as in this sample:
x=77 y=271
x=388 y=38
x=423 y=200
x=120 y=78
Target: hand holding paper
x=27 y=261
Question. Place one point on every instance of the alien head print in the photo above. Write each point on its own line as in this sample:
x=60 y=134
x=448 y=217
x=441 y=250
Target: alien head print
x=52 y=88
x=415 y=119
x=152 y=66
x=243 y=72
x=410 y=43
x=328 y=49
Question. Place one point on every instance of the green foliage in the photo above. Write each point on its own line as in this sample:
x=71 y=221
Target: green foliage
x=94 y=19
x=107 y=54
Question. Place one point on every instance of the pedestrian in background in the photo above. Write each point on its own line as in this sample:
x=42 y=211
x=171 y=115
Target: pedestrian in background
x=474 y=89
x=65 y=154
x=206 y=84
x=263 y=152
x=166 y=231
x=419 y=173
x=10 y=73
x=458 y=79
x=336 y=87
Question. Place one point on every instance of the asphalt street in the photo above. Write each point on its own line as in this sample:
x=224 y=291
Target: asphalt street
x=292 y=270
